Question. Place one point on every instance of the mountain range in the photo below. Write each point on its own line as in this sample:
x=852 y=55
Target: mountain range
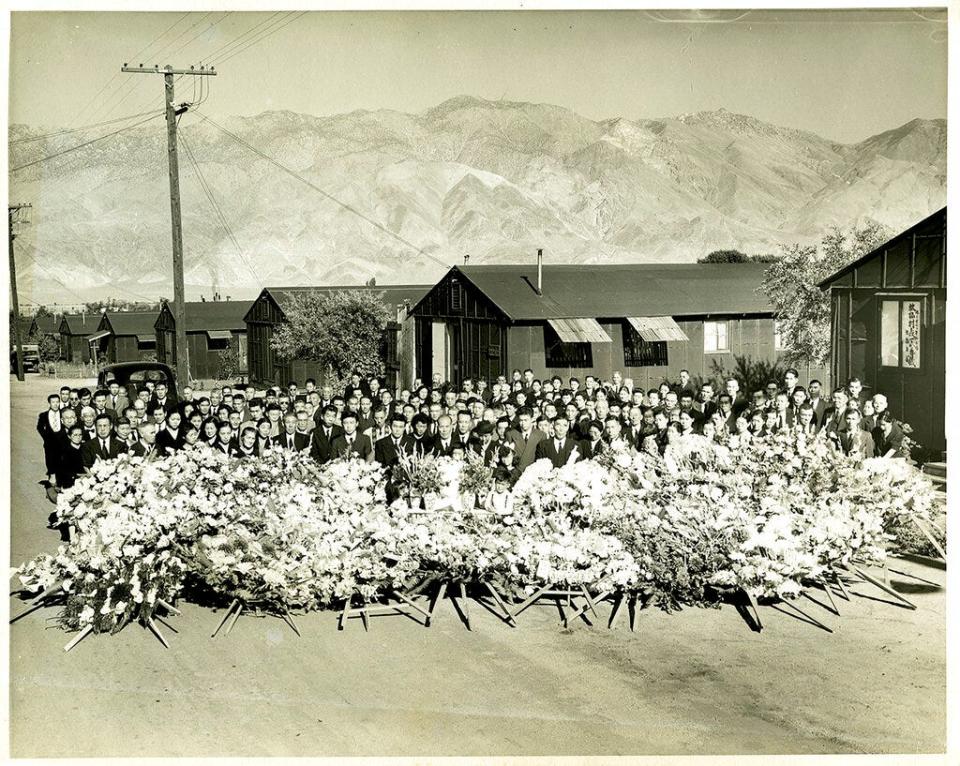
x=399 y=197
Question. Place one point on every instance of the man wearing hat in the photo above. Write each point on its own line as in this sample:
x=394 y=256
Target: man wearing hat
x=482 y=444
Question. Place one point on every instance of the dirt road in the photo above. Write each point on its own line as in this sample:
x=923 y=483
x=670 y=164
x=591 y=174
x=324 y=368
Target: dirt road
x=696 y=682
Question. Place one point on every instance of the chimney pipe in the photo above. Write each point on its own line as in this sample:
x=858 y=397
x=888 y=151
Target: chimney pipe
x=540 y=271
x=466 y=259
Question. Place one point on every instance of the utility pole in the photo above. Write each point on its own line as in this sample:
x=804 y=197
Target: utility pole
x=14 y=216
x=173 y=112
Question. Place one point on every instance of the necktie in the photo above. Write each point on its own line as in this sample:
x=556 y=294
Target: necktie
x=290 y=441
x=103 y=444
x=559 y=445
x=327 y=432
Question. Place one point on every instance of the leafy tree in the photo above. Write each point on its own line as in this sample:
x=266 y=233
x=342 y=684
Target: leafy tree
x=752 y=374
x=48 y=349
x=792 y=285
x=342 y=331
x=229 y=365
x=43 y=311
x=735 y=256
x=119 y=304
x=725 y=256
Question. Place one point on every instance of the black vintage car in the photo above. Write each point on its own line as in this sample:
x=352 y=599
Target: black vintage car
x=131 y=375
x=30 y=355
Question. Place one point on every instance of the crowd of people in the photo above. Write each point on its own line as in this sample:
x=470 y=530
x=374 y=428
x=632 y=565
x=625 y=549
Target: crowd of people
x=508 y=423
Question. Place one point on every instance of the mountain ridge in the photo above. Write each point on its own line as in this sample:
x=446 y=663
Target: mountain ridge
x=495 y=179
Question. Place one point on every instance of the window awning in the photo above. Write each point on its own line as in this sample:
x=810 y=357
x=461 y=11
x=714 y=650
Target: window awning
x=146 y=339
x=97 y=336
x=218 y=334
x=580 y=331
x=657 y=328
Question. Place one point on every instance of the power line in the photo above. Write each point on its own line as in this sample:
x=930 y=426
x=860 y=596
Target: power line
x=266 y=28
x=216 y=207
x=135 y=55
x=262 y=38
x=200 y=34
x=82 y=127
x=226 y=46
x=85 y=143
x=326 y=194
x=132 y=81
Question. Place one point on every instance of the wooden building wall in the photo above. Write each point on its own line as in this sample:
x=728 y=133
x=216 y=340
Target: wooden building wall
x=747 y=336
x=204 y=360
x=477 y=335
x=910 y=268
x=74 y=348
x=125 y=348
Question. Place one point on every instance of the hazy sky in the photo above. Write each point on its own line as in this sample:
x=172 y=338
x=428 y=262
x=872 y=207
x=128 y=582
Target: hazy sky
x=843 y=74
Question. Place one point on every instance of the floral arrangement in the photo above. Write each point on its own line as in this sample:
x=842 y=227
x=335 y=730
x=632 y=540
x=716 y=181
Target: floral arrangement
x=421 y=473
x=475 y=476
x=282 y=533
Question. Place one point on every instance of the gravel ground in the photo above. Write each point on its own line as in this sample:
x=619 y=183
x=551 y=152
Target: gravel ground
x=696 y=682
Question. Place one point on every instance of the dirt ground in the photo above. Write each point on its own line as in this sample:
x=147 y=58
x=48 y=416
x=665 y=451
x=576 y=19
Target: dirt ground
x=695 y=682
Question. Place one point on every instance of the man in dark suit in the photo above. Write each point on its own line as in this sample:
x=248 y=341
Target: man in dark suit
x=388 y=451
x=117 y=398
x=443 y=442
x=464 y=433
x=525 y=439
x=50 y=428
x=562 y=447
x=146 y=444
x=290 y=438
x=593 y=445
x=855 y=441
x=104 y=446
x=420 y=442
x=321 y=444
x=705 y=404
x=162 y=398
x=818 y=403
x=350 y=443
x=738 y=401
x=634 y=433
x=834 y=421
x=100 y=405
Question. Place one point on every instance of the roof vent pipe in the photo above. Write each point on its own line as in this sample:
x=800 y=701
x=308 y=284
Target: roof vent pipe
x=540 y=271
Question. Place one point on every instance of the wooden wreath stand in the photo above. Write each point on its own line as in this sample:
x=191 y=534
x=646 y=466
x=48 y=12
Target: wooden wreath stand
x=56 y=594
x=559 y=594
x=835 y=576
x=368 y=609
x=237 y=607
x=461 y=601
